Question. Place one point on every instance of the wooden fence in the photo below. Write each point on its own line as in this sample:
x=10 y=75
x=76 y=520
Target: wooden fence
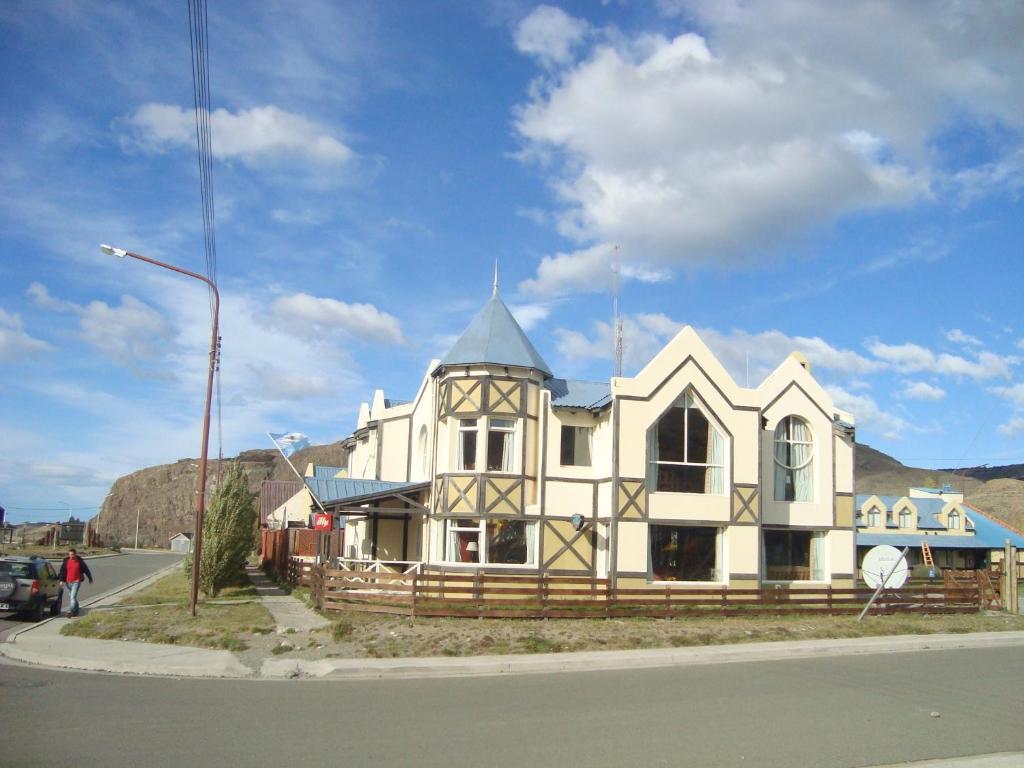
x=495 y=596
x=300 y=572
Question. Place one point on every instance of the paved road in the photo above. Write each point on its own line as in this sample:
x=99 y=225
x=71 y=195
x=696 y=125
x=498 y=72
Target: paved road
x=108 y=573
x=838 y=712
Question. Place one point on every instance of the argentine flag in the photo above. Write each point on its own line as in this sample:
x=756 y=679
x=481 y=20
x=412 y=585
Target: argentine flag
x=289 y=442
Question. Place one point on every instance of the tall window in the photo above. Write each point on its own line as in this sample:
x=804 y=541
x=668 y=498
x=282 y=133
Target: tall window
x=685 y=553
x=424 y=454
x=795 y=555
x=874 y=517
x=499 y=445
x=494 y=542
x=576 y=446
x=794 y=450
x=686 y=454
x=953 y=521
x=467 y=444
x=906 y=518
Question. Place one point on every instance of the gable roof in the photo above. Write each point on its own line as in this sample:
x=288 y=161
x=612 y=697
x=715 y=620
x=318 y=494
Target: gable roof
x=325 y=473
x=494 y=337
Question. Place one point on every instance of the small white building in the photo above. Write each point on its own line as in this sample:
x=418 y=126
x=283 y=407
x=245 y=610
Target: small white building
x=181 y=542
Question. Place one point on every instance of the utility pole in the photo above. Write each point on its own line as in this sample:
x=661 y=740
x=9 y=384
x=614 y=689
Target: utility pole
x=138 y=513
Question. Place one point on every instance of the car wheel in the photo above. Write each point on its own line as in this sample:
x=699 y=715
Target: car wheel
x=38 y=611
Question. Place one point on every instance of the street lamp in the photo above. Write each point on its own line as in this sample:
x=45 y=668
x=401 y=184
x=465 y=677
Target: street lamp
x=201 y=505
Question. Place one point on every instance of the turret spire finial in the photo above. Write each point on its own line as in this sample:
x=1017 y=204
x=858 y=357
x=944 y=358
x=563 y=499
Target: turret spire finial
x=495 y=278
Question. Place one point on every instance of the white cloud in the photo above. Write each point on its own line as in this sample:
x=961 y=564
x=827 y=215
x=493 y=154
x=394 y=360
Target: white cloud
x=363 y=321
x=549 y=34
x=123 y=333
x=586 y=270
x=256 y=137
x=15 y=343
x=42 y=297
x=921 y=390
x=956 y=336
x=1012 y=428
x=530 y=315
x=913 y=358
x=719 y=149
x=870 y=417
x=1014 y=394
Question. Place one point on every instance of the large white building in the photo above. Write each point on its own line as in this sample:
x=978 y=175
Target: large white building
x=676 y=475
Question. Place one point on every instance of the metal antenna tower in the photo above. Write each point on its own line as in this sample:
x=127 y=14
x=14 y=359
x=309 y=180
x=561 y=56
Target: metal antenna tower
x=617 y=319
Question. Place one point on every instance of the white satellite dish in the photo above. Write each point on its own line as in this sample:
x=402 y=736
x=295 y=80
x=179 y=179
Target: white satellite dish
x=885 y=563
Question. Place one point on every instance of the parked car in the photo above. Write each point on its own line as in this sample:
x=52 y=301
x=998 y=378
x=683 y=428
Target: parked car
x=29 y=585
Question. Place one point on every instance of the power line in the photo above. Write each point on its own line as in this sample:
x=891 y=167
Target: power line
x=200 y=48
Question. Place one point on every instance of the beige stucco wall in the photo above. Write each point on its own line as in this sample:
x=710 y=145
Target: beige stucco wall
x=810 y=403
x=295 y=510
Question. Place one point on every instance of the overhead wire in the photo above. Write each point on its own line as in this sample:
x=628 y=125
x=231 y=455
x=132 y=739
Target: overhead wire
x=200 y=50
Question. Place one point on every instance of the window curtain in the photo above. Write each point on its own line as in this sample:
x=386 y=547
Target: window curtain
x=781 y=460
x=801 y=437
x=715 y=480
x=819 y=558
x=652 y=458
x=531 y=544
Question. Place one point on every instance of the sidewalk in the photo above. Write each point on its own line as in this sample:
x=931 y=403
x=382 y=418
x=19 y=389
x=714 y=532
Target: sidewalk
x=43 y=644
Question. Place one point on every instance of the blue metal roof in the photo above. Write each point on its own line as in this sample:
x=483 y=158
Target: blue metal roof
x=592 y=395
x=927 y=509
x=994 y=534
x=325 y=473
x=914 y=540
x=343 y=488
x=495 y=337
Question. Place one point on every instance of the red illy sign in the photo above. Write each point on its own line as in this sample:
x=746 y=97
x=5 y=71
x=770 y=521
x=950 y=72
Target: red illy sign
x=322 y=522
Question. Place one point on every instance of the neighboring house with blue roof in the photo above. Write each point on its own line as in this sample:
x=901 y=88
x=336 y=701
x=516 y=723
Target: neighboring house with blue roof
x=674 y=475
x=959 y=535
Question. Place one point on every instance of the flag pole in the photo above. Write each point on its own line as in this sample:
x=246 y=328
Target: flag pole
x=297 y=474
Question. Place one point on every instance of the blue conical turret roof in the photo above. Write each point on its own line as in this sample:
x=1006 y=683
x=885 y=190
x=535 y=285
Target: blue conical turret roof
x=495 y=338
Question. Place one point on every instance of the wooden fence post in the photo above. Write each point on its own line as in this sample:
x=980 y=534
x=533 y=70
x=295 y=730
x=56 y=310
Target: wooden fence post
x=415 y=588
x=830 y=613
x=478 y=594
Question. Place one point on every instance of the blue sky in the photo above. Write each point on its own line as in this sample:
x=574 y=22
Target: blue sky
x=842 y=179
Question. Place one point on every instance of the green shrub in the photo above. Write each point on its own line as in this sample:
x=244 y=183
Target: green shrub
x=228 y=534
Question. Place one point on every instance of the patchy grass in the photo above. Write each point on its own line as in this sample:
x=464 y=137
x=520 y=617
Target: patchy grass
x=160 y=614
x=379 y=636
x=176 y=589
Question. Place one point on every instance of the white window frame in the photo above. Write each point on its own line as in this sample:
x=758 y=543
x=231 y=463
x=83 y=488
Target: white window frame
x=510 y=459
x=460 y=459
x=874 y=517
x=479 y=526
x=652 y=447
x=821 y=564
x=951 y=518
x=906 y=516
x=720 y=569
x=782 y=469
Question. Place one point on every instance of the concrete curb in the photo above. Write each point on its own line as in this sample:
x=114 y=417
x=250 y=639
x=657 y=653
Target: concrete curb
x=592 y=661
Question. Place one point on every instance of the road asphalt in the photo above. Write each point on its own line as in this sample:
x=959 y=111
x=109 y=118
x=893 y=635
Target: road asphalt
x=43 y=644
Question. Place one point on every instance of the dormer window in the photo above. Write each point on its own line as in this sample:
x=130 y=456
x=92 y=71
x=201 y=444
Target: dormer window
x=953 y=521
x=874 y=517
x=686 y=453
x=906 y=518
x=794 y=451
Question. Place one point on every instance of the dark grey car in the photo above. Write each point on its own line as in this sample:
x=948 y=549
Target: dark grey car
x=29 y=585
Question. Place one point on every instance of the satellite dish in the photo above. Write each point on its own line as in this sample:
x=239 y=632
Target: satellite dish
x=885 y=562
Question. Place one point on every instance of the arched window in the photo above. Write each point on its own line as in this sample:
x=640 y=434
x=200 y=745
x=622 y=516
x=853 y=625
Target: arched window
x=953 y=521
x=906 y=518
x=874 y=517
x=685 y=452
x=424 y=455
x=794 y=453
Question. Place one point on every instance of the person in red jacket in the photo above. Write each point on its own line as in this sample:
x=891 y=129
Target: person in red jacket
x=73 y=571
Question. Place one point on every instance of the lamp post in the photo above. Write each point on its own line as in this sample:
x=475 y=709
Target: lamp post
x=201 y=504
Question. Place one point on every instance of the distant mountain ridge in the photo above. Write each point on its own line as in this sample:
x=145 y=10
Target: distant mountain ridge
x=162 y=498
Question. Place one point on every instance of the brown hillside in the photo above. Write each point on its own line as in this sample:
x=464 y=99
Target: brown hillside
x=162 y=498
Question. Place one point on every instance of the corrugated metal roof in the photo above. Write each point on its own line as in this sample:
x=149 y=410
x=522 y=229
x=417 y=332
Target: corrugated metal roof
x=912 y=540
x=567 y=393
x=343 y=488
x=495 y=337
x=325 y=473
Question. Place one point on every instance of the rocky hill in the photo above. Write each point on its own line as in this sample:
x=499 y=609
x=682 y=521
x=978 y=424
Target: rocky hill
x=163 y=498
